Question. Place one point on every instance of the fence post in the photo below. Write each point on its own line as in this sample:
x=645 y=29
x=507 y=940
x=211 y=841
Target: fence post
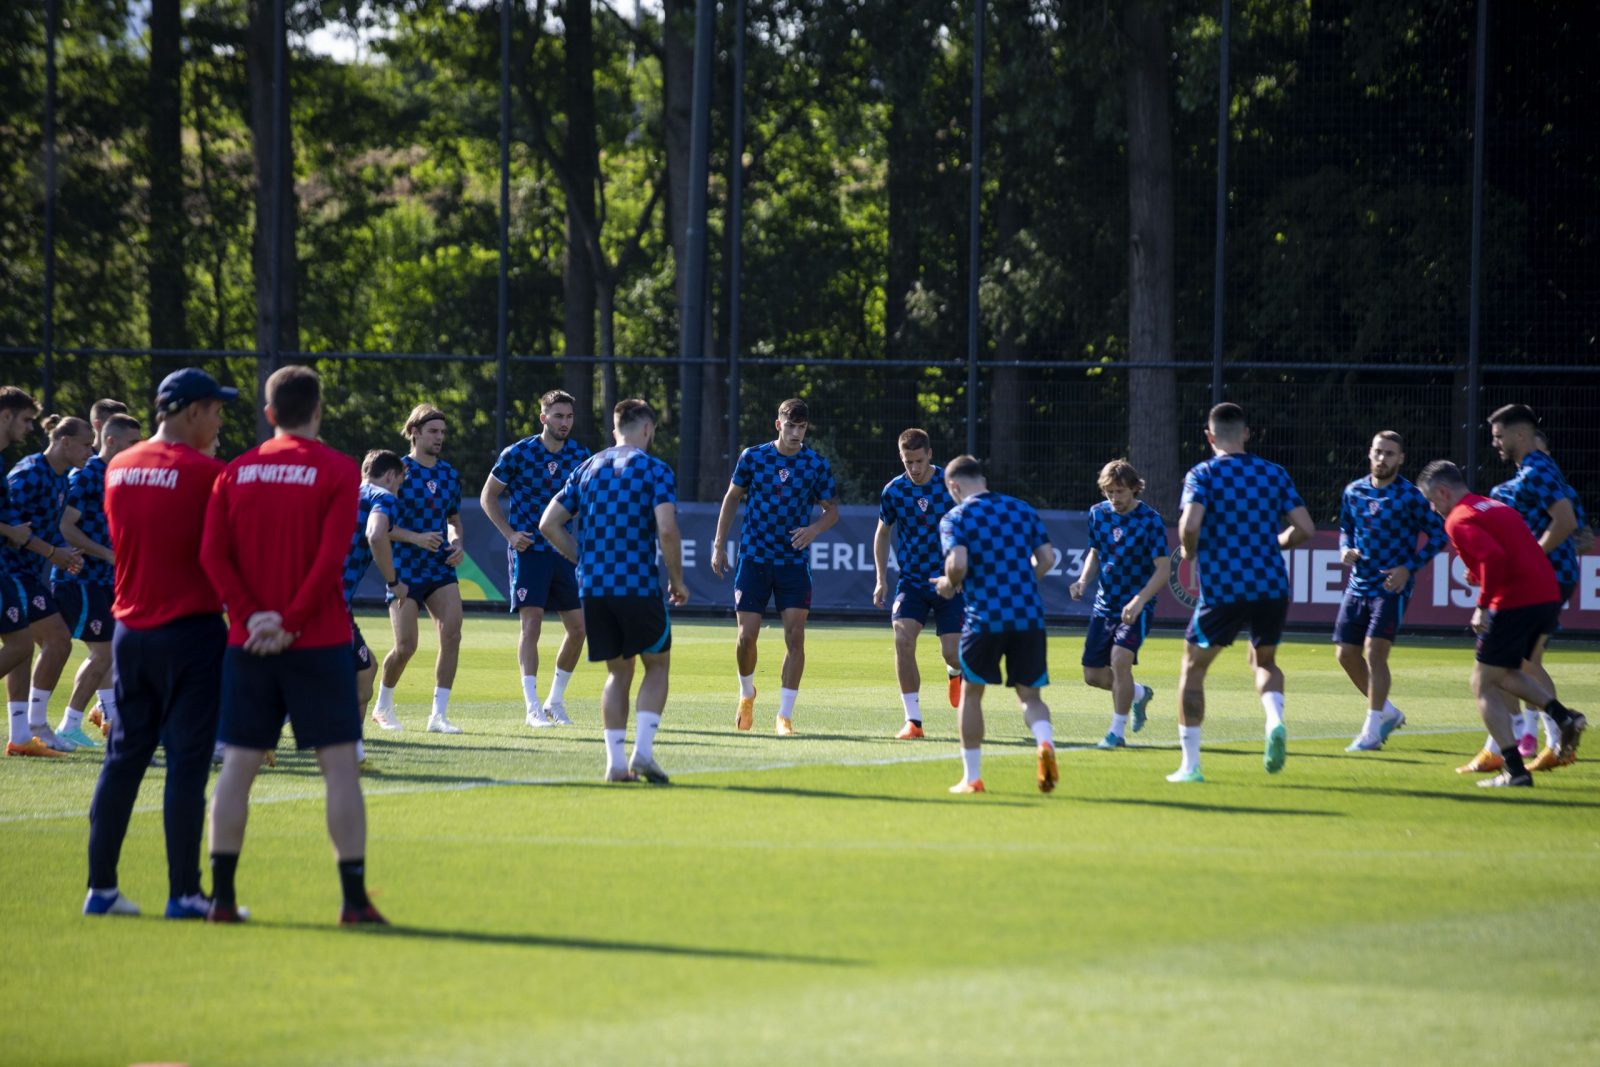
x=974 y=227
x=1217 y=276
x=48 y=340
x=691 y=344
x=736 y=228
x=1475 y=281
x=502 y=306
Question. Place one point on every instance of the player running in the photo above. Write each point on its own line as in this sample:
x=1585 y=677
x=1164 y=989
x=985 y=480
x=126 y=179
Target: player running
x=627 y=501
x=529 y=474
x=1381 y=519
x=910 y=509
x=779 y=482
x=430 y=507
x=1518 y=605
x=1235 y=506
x=1128 y=557
x=996 y=554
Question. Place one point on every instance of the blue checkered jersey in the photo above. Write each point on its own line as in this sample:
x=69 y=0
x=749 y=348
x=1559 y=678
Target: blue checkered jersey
x=1246 y=498
x=1536 y=486
x=780 y=491
x=533 y=475
x=1383 y=524
x=86 y=492
x=913 y=511
x=999 y=533
x=1128 y=547
x=616 y=493
x=427 y=498
x=371 y=498
x=37 y=495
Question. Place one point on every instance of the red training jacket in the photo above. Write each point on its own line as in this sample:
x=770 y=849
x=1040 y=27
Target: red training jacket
x=156 y=495
x=1498 y=549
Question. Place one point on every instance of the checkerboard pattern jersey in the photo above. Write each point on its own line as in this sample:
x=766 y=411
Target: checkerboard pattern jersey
x=1537 y=485
x=37 y=495
x=1246 y=498
x=86 y=491
x=371 y=498
x=1128 y=547
x=428 y=497
x=1383 y=524
x=999 y=534
x=913 y=512
x=533 y=475
x=615 y=495
x=780 y=491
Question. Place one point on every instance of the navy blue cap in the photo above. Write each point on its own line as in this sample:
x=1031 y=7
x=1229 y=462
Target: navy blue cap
x=183 y=387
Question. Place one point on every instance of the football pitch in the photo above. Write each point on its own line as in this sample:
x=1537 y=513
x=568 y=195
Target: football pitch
x=823 y=899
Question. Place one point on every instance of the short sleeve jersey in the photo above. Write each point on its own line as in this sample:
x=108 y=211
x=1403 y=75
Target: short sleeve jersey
x=86 y=494
x=999 y=534
x=371 y=498
x=1128 y=547
x=427 y=498
x=1245 y=498
x=780 y=493
x=1536 y=486
x=616 y=493
x=156 y=499
x=533 y=475
x=38 y=495
x=1383 y=524
x=913 y=511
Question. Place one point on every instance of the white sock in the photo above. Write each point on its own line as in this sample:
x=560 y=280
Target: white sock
x=1491 y=745
x=530 y=692
x=385 y=697
x=1140 y=692
x=1389 y=709
x=1552 y=733
x=1189 y=738
x=913 y=703
x=786 y=698
x=39 y=707
x=361 y=750
x=1042 y=732
x=970 y=760
x=1273 y=703
x=71 y=720
x=441 y=701
x=951 y=672
x=108 y=703
x=1528 y=723
x=1374 y=724
x=644 y=734
x=18 y=714
x=615 y=758
x=747 y=685
x=1119 y=725
x=558 y=688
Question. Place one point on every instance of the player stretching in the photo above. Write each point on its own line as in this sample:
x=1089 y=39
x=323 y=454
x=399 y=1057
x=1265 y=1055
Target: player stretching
x=996 y=553
x=85 y=597
x=529 y=474
x=430 y=507
x=277 y=533
x=1518 y=604
x=37 y=488
x=627 y=501
x=779 y=482
x=1234 y=508
x=1380 y=520
x=373 y=542
x=910 y=509
x=1128 y=555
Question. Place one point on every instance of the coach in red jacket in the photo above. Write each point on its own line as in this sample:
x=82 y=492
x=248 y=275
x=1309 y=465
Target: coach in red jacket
x=1518 y=603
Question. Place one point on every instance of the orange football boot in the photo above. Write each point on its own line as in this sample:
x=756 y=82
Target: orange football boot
x=910 y=731
x=746 y=715
x=1485 y=762
x=1049 y=773
x=964 y=786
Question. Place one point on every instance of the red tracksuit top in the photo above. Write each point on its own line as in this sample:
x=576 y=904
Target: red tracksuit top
x=156 y=496
x=1497 y=548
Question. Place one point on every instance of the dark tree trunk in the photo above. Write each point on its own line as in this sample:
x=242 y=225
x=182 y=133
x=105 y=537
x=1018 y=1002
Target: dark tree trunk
x=582 y=159
x=907 y=152
x=677 y=77
x=265 y=146
x=168 y=286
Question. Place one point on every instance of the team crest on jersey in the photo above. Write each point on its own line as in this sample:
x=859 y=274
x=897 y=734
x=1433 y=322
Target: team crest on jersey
x=783 y=474
x=1116 y=534
x=552 y=467
x=94 y=627
x=522 y=594
x=1374 y=506
x=922 y=502
x=433 y=486
x=38 y=603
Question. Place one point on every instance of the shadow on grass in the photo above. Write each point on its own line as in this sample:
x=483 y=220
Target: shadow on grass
x=988 y=799
x=1470 y=794
x=1210 y=809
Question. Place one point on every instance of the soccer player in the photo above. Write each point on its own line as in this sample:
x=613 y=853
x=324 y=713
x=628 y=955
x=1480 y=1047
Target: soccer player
x=1240 y=512
x=1381 y=519
x=430 y=507
x=996 y=553
x=100 y=413
x=910 y=509
x=1518 y=604
x=376 y=507
x=779 y=482
x=277 y=532
x=37 y=489
x=18 y=411
x=85 y=597
x=166 y=652
x=529 y=474
x=1128 y=557
x=626 y=499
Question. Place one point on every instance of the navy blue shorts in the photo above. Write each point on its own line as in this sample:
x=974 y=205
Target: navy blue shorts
x=315 y=688
x=542 y=580
x=422 y=591
x=620 y=627
x=1377 y=616
x=755 y=584
x=86 y=609
x=13 y=606
x=358 y=647
x=38 y=603
x=1107 y=632
x=915 y=601
x=1022 y=650
x=1216 y=625
x=1514 y=633
x=169 y=685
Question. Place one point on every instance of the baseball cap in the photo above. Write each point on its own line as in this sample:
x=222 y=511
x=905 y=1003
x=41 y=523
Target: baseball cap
x=184 y=387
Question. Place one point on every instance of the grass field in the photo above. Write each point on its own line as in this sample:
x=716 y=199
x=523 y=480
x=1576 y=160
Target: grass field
x=824 y=899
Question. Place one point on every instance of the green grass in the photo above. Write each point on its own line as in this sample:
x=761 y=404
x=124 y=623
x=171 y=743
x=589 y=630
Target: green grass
x=824 y=899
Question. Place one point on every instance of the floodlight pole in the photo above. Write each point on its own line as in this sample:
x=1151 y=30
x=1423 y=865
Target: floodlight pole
x=48 y=340
x=691 y=341
x=974 y=208
x=1475 y=281
x=1218 y=283
x=735 y=227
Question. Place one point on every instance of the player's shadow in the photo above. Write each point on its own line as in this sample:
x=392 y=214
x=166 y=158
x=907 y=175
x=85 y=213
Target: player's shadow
x=989 y=800
x=1209 y=809
x=804 y=735
x=1470 y=795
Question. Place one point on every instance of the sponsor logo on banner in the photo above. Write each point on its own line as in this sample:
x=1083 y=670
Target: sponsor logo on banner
x=1185 y=582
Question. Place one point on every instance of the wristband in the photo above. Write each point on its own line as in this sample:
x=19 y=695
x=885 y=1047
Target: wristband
x=392 y=584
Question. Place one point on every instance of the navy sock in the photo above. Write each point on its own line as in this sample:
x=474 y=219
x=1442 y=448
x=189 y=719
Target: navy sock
x=223 y=867
x=353 y=880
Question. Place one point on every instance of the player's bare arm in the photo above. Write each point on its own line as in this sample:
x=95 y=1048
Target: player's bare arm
x=1563 y=524
x=1158 y=581
x=458 y=542
x=68 y=559
x=553 y=524
x=880 y=564
x=806 y=534
x=672 y=553
x=18 y=535
x=1087 y=576
x=74 y=536
x=1044 y=557
x=489 y=500
x=948 y=584
x=1189 y=530
x=428 y=542
x=1299 y=530
x=730 y=507
x=379 y=536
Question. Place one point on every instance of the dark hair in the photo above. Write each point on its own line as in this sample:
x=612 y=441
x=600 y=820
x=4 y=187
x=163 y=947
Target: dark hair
x=1226 y=416
x=14 y=399
x=120 y=421
x=1390 y=435
x=1441 y=472
x=421 y=415
x=631 y=412
x=915 y=440
x=61 y=426
x=293 y=393
x=964 y=467
x=557 y=396
x=1514 y=415
x=1120 y=472
x=379 y=463
x=101 y=410
x=794 y=410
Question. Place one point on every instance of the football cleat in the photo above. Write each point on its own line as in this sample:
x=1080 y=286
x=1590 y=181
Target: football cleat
x=227 y=913
x=366 y=915
x=1527 y=745
x=1111 y=740
x=620 y=776
x=1139 y=708
x=1546 y=760
x=439 y=724
x=745 y=717
x=558 y=713
x=1049 y=773
x=385 y=718
x=1571 y=734
x=1182 y=775
x=1506 y=778
x=112 y=903
x=1484 y=762
x=955 y=690
x=964 y=786
x=34 y=747
x=193 y=906
x=785 y=727
x=98 y=718
x=49 y=737
x=1276 y=750
x=910 y=731
x=537 y=719
x=648 y=769
x=1363 y=743
x=269 y=758
x=1389 y=725
x=77 y=737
